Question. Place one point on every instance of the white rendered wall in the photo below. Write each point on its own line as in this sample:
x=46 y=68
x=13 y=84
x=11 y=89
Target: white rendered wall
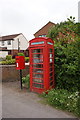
x=23 y=42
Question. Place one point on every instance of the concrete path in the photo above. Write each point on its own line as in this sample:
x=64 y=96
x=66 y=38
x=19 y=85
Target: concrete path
x=0 y=100
x=25 y=104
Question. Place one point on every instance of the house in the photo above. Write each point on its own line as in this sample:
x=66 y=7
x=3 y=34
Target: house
x=12 y=44
x=44 y=30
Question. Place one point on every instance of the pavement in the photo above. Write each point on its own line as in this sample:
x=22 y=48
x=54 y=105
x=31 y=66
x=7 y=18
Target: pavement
x=18 y=103
x=0 y=100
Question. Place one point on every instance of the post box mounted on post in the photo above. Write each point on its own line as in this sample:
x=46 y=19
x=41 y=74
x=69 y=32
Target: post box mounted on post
x=20 y=64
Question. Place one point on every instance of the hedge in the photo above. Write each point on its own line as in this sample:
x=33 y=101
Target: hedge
x=66 y=36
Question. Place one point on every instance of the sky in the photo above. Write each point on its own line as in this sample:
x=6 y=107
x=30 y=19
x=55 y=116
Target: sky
x=28 y=16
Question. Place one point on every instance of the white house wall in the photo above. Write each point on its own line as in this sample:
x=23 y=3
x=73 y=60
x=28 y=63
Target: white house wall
x=23 y=42
x=15 y=44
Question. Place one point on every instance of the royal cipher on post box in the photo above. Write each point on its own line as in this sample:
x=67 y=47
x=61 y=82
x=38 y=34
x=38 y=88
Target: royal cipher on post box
x=41 y=52
x=20 y=62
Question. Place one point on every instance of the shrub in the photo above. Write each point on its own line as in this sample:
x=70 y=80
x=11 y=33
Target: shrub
x=67 y=63
x=63 y=99
x=26 y=81
x=20 y=54
x=3 y=62
x=26 y=59
x=8 y=57
x=67 y=54
x=8 y=62
x=12 y=61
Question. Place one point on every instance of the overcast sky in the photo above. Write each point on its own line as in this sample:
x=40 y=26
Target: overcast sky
x=28 y=16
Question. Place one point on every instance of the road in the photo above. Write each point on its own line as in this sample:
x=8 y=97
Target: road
x=18 y=103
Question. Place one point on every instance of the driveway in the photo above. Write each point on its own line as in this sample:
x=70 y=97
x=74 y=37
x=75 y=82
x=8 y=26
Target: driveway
x=18 y=103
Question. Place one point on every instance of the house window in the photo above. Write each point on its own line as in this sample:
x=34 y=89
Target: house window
x=9 y=42
x=2 y=43
x=42 y=35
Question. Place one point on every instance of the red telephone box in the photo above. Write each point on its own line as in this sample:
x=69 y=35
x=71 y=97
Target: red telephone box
x=20 y=62
x=41 y=64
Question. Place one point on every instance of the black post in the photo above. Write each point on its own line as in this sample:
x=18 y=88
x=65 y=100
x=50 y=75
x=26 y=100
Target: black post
x=21 y=78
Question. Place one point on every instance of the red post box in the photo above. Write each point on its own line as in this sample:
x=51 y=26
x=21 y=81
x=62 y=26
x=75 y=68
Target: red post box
x=41 y=52
x=20 y=62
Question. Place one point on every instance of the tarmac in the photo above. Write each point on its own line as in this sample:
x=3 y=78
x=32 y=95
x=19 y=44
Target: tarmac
x=17 y=103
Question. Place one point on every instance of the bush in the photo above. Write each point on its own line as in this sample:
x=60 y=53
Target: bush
x=3 y=62
x=67 y=54
x=67 y=64
x=63 y=99
x=26 y=59
x=8 y=57
x=12 y=61
x=8 y=62
x=20 y=54
x=26 y=81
